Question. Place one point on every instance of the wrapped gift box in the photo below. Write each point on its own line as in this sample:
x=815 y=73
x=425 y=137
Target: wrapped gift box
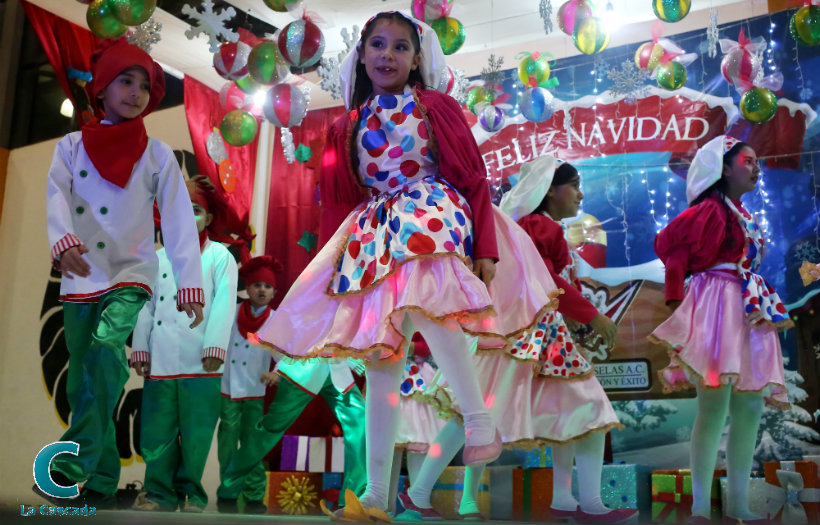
x=538 y=458
x=447 y=491
x=294 y=493
x=312 y=454
x=757 y=496
x=501 y=497
x=622 y=486
x=672 y=495
x=331 y=488
x=532 y=494
x=793 y=491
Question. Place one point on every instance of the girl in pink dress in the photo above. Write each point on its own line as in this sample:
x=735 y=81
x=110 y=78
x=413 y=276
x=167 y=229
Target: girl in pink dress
x=722 y=334
x=417 y=247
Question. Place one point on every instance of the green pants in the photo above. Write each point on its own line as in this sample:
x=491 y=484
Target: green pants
x=95 y=334
x=237 y=431
x=287 y=404
x=178 y=421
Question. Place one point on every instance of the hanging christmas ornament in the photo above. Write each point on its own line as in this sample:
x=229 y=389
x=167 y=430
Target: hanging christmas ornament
x=712 y=33
x=215 y=146
x=491 y=118
x=534 y=70
x=231 y=61
x=628 y=81
x=238 y=127
x=671 y=75
x=265 y=65
x=572 y=12
x=648 y=56
x=545 y=12
x=446 y=80
x=460 y=86
x=102 y=22
x=804 y=25
x=232 y=97
x=450 y=34
x=758 y=105
x=671 y=10
x=478 y=95
x=285 y=105
x=283 y=6
x=429 y=10
x=145 y=35
x=301 y=43
x=248 y=85
x=227 y=179
x=132 y=12
x=590 y=36
x=537 y=104
x=741 y=64
x=287 y=145
x=210 y=23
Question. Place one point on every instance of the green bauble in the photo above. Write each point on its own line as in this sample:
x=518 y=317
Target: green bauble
x=671 y=75
x=758 y=105
x=477 y=96
x=265 y=65
x=248 y=85
x=102 y=22
x=671 y=10
x=450 y=33
x=805 y=25
x=238 y=127
x=132 y=12
x=281 y=5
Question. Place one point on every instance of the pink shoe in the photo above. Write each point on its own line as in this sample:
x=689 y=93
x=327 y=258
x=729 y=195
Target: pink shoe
x=564 y=514
x=613 y=516
x=482 y=454
x=412 y=512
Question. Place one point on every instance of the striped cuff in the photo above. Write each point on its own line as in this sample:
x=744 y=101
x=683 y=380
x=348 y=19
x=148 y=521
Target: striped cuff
x=214 y=351
x=190 y=295
x=139 y=356
x=68 y=241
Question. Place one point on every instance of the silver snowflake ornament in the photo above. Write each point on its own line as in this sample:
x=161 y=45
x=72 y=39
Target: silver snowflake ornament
x=806 y=251
x=145 y=35
x=460 y=85
x=350 y=38
x=328 y=71
x=287 y=145
x=712 y=33
x=211 y=24
x=628 y=81
x=545 y=10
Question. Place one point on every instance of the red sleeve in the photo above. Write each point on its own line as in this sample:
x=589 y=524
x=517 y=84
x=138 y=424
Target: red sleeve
x=548 y=237
x=695 y=241
x=339 y=190
x=461 y=164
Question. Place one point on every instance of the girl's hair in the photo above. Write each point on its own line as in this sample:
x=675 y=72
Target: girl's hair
x=363 y=86
x=564 y=173
x=719 y=188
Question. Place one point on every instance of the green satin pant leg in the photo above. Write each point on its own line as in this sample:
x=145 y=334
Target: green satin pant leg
x=227 y=433
x=97 y=372
x=199 y=404
x=237 y=431
x=159 y=440
x=288 y=402
x=349 y=409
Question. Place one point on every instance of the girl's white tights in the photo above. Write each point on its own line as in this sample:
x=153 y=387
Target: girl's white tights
x=744 y=410
x=588 y=453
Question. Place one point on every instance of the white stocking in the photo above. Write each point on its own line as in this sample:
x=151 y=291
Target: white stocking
x=448 y=442
x=469 y=497
x=589 y=458
x=562 y=455
x=395 y=471
x=414 y=462
x=713 y=404
x=745 y=410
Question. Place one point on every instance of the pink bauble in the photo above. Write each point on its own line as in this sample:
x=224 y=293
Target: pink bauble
x=428 y=10
x=301 y=43
x=739 y=68
x=231 y=61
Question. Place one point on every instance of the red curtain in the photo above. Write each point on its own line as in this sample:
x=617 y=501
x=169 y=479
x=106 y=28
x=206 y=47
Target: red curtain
x=293 y=200
x=204 y=112
x=66 y=45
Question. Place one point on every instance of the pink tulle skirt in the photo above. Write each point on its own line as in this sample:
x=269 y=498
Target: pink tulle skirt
x=310 y=322
x=419 y=423
x=711 y=342
x=567 y=409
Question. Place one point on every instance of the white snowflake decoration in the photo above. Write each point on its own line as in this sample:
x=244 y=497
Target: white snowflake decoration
x=806 y=251
x=350 y=39
x=628 y=81
x=460 y=85
x=145 y=35
x=287 y=145
x=328 y=71
x=712 y=33
x=211 y=24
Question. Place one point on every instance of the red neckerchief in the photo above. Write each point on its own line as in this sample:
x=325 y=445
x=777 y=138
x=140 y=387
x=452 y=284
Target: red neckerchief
x=203 y=238
x=115 y=149
x=246 y=322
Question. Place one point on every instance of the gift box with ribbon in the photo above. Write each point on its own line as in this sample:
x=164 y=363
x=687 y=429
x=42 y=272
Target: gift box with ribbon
x=623 y=486
x=538 y=458
x=294 y=493
x=447 y=491
x=331 y=488
x=672 y=495
x=757 y=496
x=792 y=491
x=312 y=454
x=532 y=494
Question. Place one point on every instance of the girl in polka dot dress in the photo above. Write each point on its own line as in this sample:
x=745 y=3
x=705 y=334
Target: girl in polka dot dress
x=416 y=246
x=722 y=335
x=570 y=408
